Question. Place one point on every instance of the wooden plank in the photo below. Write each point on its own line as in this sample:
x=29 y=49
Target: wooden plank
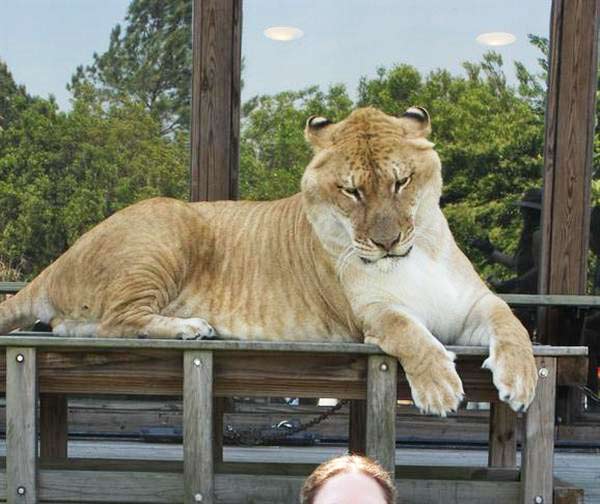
x=502 y=450
x=166 y=488
x=218 y=419
x=573 y=301
x=216 y=78
x=54 y=425
x=152 y=372
x=198 y=465
x=381 y=410
x=567 y=494
x=21 y=428
x=53 y=342
x=357 y=427
x=538 y=437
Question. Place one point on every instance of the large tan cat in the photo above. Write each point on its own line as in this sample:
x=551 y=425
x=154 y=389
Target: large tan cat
x=363 y=253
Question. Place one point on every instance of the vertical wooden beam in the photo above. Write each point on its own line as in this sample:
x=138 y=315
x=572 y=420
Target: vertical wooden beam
x=537 y=462
x=357 y=427
x=216 y=82
x=218 y=416
x=502 y=450
x=570 y=116
x=21 y=426
x=381 y=410
x=54 y=426
x=198 y=463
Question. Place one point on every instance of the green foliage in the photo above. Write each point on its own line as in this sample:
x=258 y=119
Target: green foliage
x=148 y=62
x=60 y=173
x=273 y=152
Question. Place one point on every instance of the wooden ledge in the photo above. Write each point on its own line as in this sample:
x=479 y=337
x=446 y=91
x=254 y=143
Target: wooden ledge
x=41 y=340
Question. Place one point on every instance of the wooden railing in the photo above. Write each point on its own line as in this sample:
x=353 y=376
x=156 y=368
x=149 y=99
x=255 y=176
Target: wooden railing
x=201 y=371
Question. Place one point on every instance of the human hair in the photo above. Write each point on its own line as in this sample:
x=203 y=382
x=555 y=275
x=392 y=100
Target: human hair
x=347 y=464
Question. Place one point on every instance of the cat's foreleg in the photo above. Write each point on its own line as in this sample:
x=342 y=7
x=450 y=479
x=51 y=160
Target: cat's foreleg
x=435 y=385
x=511 y=360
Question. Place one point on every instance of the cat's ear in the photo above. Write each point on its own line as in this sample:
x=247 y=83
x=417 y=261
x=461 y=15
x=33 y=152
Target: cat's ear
x=416 y=122
x=318 y=132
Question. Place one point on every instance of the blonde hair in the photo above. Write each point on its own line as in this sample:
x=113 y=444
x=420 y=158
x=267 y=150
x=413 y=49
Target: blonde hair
x=347 y=464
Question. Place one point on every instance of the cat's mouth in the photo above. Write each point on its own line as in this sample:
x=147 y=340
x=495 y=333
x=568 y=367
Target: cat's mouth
x=387 y=256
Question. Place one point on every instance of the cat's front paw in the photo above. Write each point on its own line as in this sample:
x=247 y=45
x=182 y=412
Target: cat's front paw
x=435 y=386
x=514 y=374
x=195 y=328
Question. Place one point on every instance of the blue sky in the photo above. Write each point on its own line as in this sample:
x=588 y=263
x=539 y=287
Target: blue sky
x=43 y=41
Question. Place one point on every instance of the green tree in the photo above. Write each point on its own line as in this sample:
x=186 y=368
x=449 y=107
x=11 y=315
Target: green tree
x=273 y=152
x=149 y=61
x=62 y=173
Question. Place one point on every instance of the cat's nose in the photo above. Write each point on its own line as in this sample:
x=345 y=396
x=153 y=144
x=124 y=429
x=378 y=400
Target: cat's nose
x=389 y=244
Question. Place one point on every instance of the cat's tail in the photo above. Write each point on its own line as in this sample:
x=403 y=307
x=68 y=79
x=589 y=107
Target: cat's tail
x=19 y=311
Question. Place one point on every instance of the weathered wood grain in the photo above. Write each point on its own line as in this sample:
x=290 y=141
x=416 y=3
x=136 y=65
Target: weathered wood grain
x=357 y=427
x=21 y=428
x=81 y=487
x=158 y=372
x=54 y=425
x=381 y=410
x=52 y=342
x=216 y=79
x=198 y=462
x=537 y=462
x=219 y=407
x=570 y=116
x=503 y=436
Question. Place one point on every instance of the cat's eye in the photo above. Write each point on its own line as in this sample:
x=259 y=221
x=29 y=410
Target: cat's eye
x=353 y=192
x=401 y=183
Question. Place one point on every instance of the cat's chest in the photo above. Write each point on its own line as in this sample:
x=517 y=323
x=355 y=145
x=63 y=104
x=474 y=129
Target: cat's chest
x=430 y=290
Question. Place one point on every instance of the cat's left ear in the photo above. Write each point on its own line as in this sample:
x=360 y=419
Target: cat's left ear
x=416 y=122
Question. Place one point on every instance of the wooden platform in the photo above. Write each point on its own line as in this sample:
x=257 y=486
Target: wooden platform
x=201 y=371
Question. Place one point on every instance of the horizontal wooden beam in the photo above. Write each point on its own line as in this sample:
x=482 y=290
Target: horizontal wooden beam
x=33 y=339
x=166 y=488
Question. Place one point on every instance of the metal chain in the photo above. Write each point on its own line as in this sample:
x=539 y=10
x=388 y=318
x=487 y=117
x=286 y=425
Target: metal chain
x=590 y=393
x=278 y=432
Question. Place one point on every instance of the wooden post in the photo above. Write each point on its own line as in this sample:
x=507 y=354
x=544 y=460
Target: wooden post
x=216 y=82
x=502 y=450
x=570 y=116
x=21 y=426
x=382 y=383
x=537 y=463
x=218 y=415
x=198 y=463
x=54 y=426
x=357 y=427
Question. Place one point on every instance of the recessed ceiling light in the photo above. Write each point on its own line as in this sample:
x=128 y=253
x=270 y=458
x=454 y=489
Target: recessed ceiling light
x=283 y=33
x=496 y=38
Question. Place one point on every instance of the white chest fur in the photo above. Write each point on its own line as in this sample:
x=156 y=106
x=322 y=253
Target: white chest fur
x=431 y=291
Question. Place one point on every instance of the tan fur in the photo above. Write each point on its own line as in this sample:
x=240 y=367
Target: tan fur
x=363 y=252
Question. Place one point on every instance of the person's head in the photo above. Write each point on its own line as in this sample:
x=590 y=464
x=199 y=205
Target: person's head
x=351 y=479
